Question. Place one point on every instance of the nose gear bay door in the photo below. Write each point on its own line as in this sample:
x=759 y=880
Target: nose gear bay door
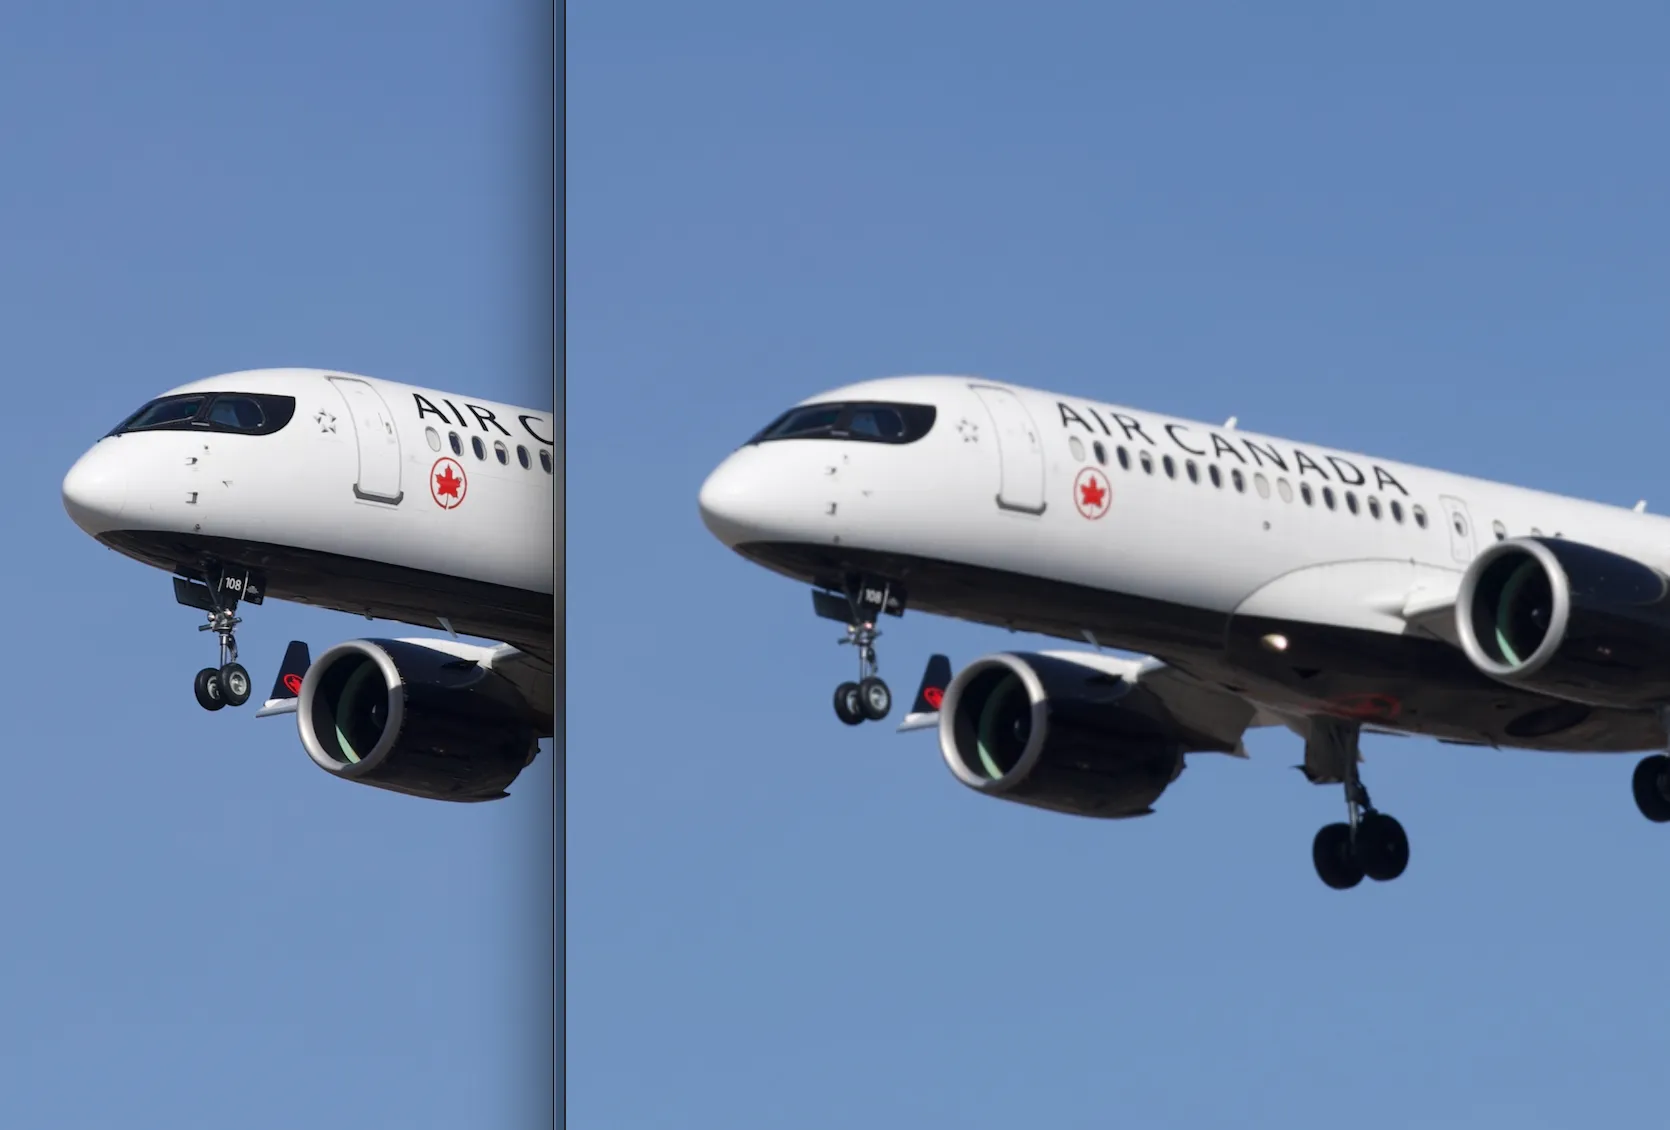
x=1020 y=450
x=378 y=439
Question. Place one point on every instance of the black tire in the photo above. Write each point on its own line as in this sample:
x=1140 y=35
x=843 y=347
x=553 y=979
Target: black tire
x=1652 y=788
x=1382 y=847
x=848 y=706
x=1336 y=861
x=234 y=684
x=207 y=688
x=874 y=699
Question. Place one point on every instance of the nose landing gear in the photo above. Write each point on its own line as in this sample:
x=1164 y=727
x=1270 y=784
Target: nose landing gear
x=868 y=698
x=227 y=684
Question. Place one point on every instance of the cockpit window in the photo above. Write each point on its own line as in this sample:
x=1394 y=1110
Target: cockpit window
x=239 y=413
x=877 y=423
x=170 y=411
x=243 y=413
x=873 y=423
x=804 y=422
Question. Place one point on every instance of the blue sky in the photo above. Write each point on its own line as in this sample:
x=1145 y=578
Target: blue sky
x=200 y=927
x=1441 y=239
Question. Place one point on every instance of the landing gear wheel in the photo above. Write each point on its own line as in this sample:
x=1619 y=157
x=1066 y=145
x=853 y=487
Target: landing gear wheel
x=1336 y=861
x=207 y=687
x=234 y=684
x=1382 y=848
x=874 y=699
x=1652 y=788
x=849 y=706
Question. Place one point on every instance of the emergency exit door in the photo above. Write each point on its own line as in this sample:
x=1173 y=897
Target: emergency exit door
x=378 y=439
x=1020 y=450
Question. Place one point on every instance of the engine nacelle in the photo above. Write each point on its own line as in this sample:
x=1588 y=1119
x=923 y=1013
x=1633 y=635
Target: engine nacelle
x=1568 y=620
x=1070 y=737
x=415 y=720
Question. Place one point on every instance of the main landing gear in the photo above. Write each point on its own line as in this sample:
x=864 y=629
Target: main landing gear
x=866 y=699
x=1370 y=844
x=1652 y=788
x=227 y=684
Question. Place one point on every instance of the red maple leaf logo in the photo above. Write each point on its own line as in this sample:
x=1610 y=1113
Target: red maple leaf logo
x=1092 y=494
x=447 y=483
x=934 y=697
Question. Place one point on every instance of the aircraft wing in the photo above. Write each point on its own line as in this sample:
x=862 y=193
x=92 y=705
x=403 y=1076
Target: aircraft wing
x=530 y=675
x=1200 y=707
x=1429 y=609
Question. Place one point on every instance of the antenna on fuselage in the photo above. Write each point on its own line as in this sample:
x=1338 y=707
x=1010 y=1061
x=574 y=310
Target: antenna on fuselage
x=1230 y=423
x=1641 y=507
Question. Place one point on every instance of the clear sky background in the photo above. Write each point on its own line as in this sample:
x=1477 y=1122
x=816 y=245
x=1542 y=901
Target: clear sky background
x=198 y=927
x=1437 y=237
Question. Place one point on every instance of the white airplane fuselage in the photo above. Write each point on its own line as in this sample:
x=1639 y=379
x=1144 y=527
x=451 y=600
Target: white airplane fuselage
x=372 y=497
x=1301 y=578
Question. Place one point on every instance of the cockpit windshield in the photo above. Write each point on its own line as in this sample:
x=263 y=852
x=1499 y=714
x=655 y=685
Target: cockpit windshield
x=242 y=413
x=871 y=422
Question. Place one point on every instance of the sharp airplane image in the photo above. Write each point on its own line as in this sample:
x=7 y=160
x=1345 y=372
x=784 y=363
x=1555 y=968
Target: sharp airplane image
x=369 y=497
x=1262 y=582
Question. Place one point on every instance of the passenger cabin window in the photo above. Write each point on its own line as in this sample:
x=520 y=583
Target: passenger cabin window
x=501 y=452
x=457 y=444
x=869 y=422
x=233 y=412
x=1101 y=452
x=522 y=456
x=545 y=460
x=478 y=447
x=433 y=438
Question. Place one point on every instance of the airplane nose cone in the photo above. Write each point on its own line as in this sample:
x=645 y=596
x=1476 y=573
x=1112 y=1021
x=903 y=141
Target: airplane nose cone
x=725 y=503
x=95 y=491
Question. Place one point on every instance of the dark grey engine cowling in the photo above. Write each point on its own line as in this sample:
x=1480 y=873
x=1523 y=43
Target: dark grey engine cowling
x=1048 y=732
x=415 y=720
x=1568 y=620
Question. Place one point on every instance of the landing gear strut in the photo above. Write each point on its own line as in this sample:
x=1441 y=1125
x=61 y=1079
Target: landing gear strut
x=227 y=684
x=1370 y=844
x=867 y=699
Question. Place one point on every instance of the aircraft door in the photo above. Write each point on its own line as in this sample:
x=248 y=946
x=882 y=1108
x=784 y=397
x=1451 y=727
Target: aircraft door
x=378 y=439
x=1020 y=450
x=1461 y=527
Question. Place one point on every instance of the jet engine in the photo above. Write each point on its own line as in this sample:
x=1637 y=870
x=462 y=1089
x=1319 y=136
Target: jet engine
x=414 y=719
x=1053 y=733
x=1568 y=620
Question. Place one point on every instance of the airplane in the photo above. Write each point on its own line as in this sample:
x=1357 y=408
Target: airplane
x=1252 y=581
x=370 y=497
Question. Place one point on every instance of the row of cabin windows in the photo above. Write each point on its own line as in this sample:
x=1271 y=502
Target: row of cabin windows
x=500 y=451
x=1238 y=480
